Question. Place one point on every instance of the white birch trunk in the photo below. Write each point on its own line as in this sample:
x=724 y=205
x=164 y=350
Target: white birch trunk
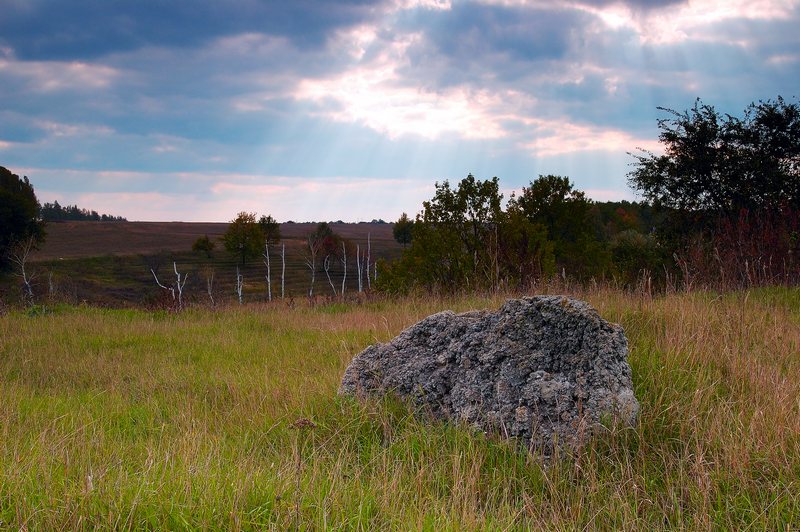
x=344 y=266
x=327 y=265
x=269 y=280
x=369 y=250
x=358 y=267
x=283 y=269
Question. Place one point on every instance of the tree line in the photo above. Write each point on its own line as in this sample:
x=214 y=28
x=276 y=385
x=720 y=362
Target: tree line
x=54 y=212
x=722 y=207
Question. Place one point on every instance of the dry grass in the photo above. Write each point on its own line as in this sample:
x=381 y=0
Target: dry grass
x=129 y=419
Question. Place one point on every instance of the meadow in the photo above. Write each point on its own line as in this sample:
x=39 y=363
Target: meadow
x=228 y=418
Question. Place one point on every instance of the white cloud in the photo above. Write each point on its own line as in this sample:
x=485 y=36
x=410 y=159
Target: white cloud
x=53 y=76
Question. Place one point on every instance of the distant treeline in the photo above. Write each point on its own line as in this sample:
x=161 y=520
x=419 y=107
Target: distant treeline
x=53 y=212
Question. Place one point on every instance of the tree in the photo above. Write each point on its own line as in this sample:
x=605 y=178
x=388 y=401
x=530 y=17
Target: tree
x=18 y=213
x=722 y=164
x=203 y=245
x=454 y=240
x=244 y=237
x=553 y=203
x=271 y=230
x=403 y=230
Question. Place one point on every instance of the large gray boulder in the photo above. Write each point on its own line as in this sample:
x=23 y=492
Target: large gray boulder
x=543 y=369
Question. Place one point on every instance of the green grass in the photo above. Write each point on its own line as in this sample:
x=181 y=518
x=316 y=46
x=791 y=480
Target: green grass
x=134 y=419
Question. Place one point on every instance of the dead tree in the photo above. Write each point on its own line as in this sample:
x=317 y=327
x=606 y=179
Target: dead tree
x=177 y=288
x=208 y=271
x=344 y=266
x=326 y=264
x=314 y=242
x=283 y=268
x=239 y=284
x=369 y=249
x=269 y=281
x=358 y=267
x=19 y=254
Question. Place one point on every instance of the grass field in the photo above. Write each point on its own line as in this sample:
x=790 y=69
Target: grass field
x=229 y=418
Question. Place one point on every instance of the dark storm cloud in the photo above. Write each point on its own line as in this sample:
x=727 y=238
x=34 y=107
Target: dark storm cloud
x=84 y=29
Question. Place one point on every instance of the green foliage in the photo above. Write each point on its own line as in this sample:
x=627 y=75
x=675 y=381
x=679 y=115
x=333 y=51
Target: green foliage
x=722 y=164
x=271 y=230
x=464 y=240
x=19 y=210
x=244 y=237
x=553 y=203
x=455 y=237
x=403 y=230
x=204 y=245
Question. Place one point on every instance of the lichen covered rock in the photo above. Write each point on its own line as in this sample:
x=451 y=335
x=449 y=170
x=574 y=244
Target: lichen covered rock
x=542 y=369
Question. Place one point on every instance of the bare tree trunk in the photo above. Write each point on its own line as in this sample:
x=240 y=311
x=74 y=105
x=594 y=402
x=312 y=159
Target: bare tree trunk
x=283 y=269
x=344 y=266
x=327 y=265
x=179 y=285
x=358 y=267
x=312 y=265
x=20 y=251
x=210 y=286
x=269 y=281
x=369 y=249
x=239 y=284
x=180 y=282
x=167 y=288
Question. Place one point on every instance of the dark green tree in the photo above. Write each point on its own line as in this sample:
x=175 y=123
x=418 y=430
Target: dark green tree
x=19 y=210
x=553 y=203
x=455 y=239
x=721 y=164
x=403 y=230
x=271 y=230
x=244 y=237
x=203 y=245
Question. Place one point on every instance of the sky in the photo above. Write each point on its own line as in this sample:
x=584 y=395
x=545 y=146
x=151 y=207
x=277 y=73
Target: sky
x=195 y=110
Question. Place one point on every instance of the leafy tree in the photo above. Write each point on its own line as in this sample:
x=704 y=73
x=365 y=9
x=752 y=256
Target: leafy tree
x=454 y=238
x=403 y=230
x=271 y=230
x=244 y=237
x=553 y=203
x=18 y=213
x=721 y=164
x=203 y=245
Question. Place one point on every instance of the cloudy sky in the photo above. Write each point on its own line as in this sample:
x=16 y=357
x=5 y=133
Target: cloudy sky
x=352 y=109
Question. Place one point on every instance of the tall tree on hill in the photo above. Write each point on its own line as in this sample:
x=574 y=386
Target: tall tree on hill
x=244 y=237
x=18 y=214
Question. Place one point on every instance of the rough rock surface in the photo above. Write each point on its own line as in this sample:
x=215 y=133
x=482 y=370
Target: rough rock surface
x=544 y=369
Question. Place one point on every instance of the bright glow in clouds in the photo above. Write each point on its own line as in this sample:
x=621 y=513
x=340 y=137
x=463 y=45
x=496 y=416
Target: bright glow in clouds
x=355 y=109
x=692 y=19
x=374 y=95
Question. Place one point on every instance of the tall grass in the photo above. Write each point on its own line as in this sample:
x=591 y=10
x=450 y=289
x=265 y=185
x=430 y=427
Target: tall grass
x=230 y=419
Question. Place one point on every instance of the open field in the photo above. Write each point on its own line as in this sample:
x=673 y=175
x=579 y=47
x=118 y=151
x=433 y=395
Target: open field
x=134 y=419
x=70 y=240
x=109 y=264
